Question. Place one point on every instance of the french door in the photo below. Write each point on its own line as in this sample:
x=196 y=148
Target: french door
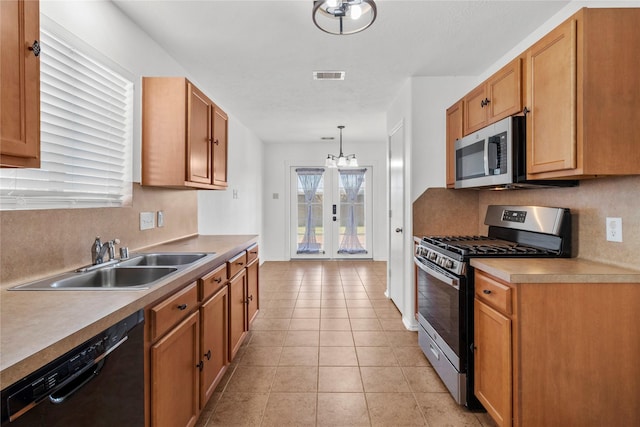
x=331 y=213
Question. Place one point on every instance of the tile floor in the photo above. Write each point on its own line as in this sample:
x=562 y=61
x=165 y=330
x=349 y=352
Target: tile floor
x=328 y=349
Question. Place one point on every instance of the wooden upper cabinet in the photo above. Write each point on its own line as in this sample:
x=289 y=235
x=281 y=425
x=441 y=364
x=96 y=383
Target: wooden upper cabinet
x=552 y=95
x=498 y=97
x=199 y=137
x=220 y=132
x=475 y=115
x=179 y=129
x=454 y=132
x=19 y=84
x=583 y=94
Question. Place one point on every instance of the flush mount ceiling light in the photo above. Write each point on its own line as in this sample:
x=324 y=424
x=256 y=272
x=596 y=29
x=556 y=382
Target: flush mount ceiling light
x=341 y=160
x=344 y=16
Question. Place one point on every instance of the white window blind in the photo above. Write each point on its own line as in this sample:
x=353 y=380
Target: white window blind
x=86 y=121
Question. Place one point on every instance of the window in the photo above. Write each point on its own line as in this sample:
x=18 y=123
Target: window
x=86 y=121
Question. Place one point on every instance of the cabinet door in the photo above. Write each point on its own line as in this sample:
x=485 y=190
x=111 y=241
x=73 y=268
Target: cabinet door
x=174 y=376
x=19 y=84
x=551 y=122
x=237 y=312
x=214 y=354
x=454 y=132
x=220 y=123
x=505 y=91
x=475 y=113
x=199 y=137
x=253 y=290
x=493 y=366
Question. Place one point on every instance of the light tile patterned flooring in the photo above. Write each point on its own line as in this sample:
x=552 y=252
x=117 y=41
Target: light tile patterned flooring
x=329 y=349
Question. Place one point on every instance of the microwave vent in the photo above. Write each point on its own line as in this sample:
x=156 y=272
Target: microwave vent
x=328 y=75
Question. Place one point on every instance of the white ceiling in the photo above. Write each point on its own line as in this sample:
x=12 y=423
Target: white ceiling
x=256 y=58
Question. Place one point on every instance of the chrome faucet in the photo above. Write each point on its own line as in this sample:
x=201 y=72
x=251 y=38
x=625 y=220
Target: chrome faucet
x=99 y=249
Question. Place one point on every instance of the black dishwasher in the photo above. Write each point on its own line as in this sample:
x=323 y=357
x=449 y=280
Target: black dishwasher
x=98 y=383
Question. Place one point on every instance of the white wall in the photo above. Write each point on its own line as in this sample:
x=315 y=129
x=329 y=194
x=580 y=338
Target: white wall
x=218 y=211
x=278 y=158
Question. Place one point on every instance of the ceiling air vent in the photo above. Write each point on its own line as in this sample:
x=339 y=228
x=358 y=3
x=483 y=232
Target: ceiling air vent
x=328 y=75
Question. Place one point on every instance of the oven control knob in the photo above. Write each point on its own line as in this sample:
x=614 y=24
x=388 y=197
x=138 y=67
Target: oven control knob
x=432 y=256
x=449 y=264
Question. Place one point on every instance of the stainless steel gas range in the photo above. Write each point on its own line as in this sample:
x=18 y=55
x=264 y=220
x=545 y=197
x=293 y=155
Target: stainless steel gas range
x=445 y=283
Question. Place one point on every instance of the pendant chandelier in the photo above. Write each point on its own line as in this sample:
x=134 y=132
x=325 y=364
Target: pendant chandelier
x=344 y=16
x=341 y=160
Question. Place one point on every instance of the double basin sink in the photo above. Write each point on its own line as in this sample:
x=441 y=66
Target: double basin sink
x=138 y=272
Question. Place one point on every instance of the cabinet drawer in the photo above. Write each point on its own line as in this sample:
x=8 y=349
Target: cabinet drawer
x=236 y=264
x=172 y=310
x=211 y=282
x=493 y=293
x=252 y=253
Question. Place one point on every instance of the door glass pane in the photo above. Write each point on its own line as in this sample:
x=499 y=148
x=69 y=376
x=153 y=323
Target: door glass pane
x=352 y=232
x=310 y=197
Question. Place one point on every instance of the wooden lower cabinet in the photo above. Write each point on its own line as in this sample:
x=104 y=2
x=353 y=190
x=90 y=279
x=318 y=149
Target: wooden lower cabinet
x=557 y=354
x=253 y=273
x=492 y=359
x=214 y=315
x=192 y=336
x=238 y=325
x=175 y=373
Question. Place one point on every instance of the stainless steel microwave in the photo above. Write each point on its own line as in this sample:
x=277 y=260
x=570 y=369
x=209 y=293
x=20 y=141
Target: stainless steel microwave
x=496 y=157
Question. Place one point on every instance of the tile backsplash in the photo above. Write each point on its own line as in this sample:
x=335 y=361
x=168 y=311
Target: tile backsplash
x=442 y=211
x=38 y=243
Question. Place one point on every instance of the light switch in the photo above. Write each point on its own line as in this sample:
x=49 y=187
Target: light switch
x=160 y=219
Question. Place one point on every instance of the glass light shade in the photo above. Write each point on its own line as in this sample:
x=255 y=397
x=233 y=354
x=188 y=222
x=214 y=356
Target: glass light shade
x=353 y=162
x=342 y=162
x=330 y=163
x=343 y=17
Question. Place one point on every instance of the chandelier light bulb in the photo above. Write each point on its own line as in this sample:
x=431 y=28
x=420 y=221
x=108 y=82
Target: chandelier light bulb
x=356 y=11
x=332 y=3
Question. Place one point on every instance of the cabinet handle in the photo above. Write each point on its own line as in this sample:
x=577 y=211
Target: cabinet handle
x=218 y=280
x=35 y=48
x=250 y=298
x=182 y=307
x=200 y=365
x=253 y=252
x=486 y=291
x=241 y=263
x=526 y=111
x=215 y=141
x=208 y=355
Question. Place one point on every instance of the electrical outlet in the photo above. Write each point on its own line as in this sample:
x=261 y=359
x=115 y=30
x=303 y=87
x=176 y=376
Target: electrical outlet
x=147 y=220
x=614 y=229
x=160 y=219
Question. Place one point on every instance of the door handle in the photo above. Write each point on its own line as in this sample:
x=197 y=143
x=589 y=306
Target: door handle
x=335 y=219
x=398 y=230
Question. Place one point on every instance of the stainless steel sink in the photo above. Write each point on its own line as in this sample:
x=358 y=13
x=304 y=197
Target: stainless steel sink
x=115 y=277
x=104 y=278
x=162 y=259
x=141 y=271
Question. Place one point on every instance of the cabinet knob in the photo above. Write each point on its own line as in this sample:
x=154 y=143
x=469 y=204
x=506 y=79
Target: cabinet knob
x=35 y=48
x=215 y=141
x=241 y=263
x=486 y=291
x=182 y=307
x=250 y=298
x=208 y=355
x=200 y=365
x=218 y=280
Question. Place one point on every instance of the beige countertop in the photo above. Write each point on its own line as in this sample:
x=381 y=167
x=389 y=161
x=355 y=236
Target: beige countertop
x=38 y=326
x=557 y=270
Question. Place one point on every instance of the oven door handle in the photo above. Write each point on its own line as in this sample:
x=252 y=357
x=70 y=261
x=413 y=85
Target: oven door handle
x=454 y=283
